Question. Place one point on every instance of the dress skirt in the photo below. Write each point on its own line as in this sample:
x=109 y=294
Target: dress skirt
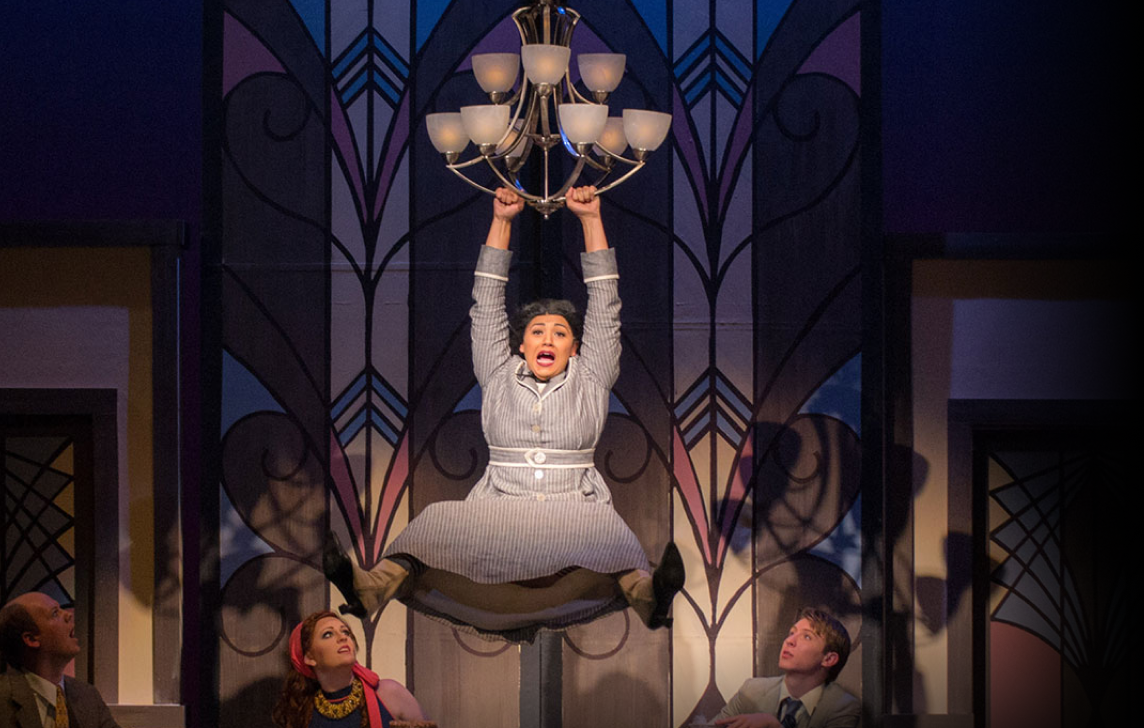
x=505 y=568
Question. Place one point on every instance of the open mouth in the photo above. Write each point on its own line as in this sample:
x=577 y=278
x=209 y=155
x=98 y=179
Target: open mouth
x=546 y=358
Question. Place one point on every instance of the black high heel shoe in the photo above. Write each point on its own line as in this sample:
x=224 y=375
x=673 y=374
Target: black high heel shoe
x=666 y=582
x=340 y=572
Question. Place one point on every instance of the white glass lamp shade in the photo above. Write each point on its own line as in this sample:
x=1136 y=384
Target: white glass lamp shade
x=601 y=71
x=583 y=123
x=544 y=63
x=612 y=138
x=646 y=129
x=485 y=124
x=496 y=72
x=447 y=132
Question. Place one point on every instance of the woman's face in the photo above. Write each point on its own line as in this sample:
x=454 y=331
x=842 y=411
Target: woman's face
x=332 y=645
x=547 y=345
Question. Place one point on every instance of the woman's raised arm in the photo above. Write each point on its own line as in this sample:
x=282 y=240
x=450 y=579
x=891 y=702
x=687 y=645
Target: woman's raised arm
x=506 y=205
x=489 y=320
x=583 y=203
x=600 y=347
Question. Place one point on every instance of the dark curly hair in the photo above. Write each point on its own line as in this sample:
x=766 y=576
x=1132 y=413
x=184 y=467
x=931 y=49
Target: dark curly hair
x=543 y=307
x=296 y=703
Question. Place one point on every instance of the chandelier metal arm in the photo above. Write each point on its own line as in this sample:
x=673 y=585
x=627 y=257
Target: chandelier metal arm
x=608 y=161
x=480 y=187
x=599 y=183
x=506 y=181
x=598 y=166
x=529 y=115
x=545 y=123
x=527 y=16
x=511 y=183
x=545 y=152
x=559 y=196
x=516 y=100
x=619 y=180
x=573 y=92
x=625 y=160
x=522 y=95
x=467 y=163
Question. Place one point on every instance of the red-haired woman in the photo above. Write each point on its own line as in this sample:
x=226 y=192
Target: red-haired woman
x=328 y=688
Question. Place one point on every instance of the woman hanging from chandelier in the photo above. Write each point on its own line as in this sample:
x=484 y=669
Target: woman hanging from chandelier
x=329 y=688
x=537 y=542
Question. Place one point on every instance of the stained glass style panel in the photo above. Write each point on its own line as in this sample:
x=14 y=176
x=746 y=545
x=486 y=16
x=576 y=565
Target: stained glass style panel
x=38 y=517
x=1058 y=606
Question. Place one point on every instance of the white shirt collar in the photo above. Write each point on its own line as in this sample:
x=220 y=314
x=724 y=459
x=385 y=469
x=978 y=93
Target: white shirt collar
x=809 y=699
x=45 y=691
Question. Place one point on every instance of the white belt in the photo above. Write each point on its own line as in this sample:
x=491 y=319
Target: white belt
x=539 y=457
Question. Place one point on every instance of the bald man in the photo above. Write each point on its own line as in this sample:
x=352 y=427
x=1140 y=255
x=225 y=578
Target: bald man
x=37 y=640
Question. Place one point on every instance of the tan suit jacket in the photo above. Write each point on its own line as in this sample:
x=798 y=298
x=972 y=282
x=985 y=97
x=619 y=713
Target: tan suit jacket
x=836 y=708
x=18 y=708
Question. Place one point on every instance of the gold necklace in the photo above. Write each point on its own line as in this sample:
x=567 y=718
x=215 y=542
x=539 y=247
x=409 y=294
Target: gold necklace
x=342 y=708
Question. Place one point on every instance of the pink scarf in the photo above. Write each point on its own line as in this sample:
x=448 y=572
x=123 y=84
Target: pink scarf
x=368 y=677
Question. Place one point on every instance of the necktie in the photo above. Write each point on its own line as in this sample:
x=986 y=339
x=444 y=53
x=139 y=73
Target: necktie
x=61 y=709
x=789 y=711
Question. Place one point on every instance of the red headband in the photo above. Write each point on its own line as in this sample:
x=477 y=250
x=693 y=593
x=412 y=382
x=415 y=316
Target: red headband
x=367 y=676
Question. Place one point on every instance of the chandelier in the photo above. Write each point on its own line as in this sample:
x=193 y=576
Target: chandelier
x=547 y=111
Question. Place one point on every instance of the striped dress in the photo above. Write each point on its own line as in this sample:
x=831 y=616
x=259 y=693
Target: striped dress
x=541 y=509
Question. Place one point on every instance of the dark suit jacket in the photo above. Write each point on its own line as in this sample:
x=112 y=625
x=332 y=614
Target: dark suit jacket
x=836 y=708
x=18 y=708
